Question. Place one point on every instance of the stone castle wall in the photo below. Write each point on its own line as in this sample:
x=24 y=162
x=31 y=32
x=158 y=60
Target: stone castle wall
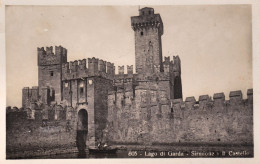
x=206 y=120
x=137 y=108
x=28 y=136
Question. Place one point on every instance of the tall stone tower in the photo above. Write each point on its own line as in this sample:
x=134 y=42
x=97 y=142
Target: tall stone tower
x=148 y=29
x=50 y=72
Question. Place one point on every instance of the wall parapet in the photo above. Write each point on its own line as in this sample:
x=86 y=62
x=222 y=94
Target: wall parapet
x=172 y=66
x=219 y=96
x=205 y=101
x=204 y=98
x=143 y=21
x=29 y=95
x=87 y=68
x=48 y=57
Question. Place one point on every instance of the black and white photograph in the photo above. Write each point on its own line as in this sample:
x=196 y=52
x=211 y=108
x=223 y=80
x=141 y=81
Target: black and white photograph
x=130 y=81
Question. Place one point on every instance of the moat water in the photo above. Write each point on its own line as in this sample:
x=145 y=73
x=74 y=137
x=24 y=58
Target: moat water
x=87 y=155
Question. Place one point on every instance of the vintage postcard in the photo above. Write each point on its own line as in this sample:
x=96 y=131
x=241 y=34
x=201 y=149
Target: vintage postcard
x=129 y=81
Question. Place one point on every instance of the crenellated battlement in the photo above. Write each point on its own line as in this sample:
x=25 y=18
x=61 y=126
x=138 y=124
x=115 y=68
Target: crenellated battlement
x=147 y=19
x=219 y=101
x=172 y=66
x=205 y=102
x=110 y=68
x=102 y=65
x=82 y=64
x=29 y=95
x=121 y=70
x=48 y=57
x=130 y=69
x=152 y=103
x=123 y=78
x=87 y=68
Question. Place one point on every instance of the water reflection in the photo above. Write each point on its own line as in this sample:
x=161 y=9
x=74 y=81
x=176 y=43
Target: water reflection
x=83 y=155
x=81 y=143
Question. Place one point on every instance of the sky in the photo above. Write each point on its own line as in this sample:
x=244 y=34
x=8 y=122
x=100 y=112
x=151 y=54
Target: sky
x=214 y=42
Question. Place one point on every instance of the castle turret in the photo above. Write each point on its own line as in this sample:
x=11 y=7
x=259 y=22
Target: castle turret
x=148 y=29
x=50 y=69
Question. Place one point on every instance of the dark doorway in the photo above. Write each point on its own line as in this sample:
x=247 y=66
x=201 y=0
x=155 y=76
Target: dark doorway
x=82 y=120
x=82 y=131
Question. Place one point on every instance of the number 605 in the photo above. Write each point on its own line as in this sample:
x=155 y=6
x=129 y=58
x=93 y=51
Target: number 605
x=132 y=153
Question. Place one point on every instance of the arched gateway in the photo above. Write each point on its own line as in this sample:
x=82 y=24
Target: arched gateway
x=86 y=133
x=82 y=123
x=82 y=130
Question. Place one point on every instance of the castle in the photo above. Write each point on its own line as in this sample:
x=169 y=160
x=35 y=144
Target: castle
x=144 y=107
